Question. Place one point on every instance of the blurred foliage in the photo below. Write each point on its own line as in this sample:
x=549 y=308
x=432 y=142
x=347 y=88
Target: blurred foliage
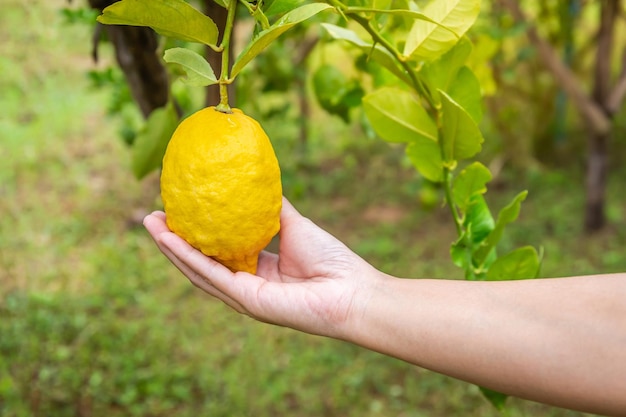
x=94 y=322
x=531 y=120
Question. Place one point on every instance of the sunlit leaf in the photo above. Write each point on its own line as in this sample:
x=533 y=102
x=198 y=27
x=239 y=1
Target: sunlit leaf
x=266 y=37
x=198 y=70
x=173 y=18
x=507 y=215
x=407 y=13
x=425 y=156
x=461 y=253
x=450 y=74
x=278 y=7
x=522 y=263
x=440 y=73
x=152 y=140
x=462 y=138
x=478 y=219
x=376 y=52
x=465 y=90
x=469 y=182
x=397 y=116
x=427 y=40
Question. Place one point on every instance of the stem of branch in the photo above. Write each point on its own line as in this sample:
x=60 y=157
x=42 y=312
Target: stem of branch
x=223 y=106
x=420 y=87
x=447 y=187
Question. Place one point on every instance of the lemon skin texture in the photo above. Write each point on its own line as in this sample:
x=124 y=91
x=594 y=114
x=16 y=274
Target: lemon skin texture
x=221 y=187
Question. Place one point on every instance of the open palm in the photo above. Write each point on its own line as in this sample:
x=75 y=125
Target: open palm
x=310 y=285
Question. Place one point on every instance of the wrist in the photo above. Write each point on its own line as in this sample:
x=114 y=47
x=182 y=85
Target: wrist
x=371 y=290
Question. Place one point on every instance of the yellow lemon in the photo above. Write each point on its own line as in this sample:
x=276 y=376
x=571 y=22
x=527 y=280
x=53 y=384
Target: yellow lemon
x=221 y=186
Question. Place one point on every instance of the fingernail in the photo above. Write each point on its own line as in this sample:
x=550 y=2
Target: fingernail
x=145 y=218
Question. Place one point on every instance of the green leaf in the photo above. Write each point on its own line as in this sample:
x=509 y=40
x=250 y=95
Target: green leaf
x=425 y=156
x=468 y=183
x=461 y=253
x=507 y=215
x=478 y=219
x=406 y=13
x=461 y=136
x=258 y=15
x=376 y=52
x=478 y=225
x=450 y=74
x=497 y=399
x=198 y=70
x=334 y=92
x=152 y=140
x=440 y=73
x=277 y=7
x=397 y=116
x=522 y=263
x=173 y=18
x=266 y=37
x=466 y=91
x=427 y=41
x=329 y=85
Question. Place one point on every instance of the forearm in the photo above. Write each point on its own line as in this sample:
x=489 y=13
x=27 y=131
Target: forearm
x=558 y=341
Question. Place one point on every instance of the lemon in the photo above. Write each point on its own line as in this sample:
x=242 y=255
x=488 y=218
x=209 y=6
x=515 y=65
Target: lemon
x=221 y=187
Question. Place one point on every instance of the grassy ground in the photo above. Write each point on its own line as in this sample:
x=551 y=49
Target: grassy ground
x=94 y=322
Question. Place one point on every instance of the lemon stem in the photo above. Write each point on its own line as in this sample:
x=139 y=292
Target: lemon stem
x=224 y=81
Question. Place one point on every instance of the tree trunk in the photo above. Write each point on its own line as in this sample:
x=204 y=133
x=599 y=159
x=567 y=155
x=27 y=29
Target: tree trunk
x=598 y=143
x=218 y=14
x=135 y=52
x=597 y=170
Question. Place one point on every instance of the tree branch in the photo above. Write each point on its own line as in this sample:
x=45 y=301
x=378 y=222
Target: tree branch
x=616 y=98
x=604 y=53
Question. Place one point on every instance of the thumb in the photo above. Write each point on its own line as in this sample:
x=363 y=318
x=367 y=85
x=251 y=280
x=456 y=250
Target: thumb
x=288 y=212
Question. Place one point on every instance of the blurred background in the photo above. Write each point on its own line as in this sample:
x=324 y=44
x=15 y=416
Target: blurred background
x=95 y=322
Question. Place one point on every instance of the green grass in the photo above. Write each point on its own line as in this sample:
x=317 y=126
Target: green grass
x=95 y=322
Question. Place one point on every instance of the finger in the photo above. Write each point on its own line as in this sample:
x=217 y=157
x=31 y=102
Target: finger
x=194 y=259
x=208 y=288
x=194 y=276
x=204 y=272
x=268 y=266
x=159 y=214
x=155 y=224
x=178 y=263
x=158 y=230
x=288 y=211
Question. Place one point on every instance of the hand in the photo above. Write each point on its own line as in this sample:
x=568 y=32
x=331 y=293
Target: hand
x=568 y=353
x=314 y=284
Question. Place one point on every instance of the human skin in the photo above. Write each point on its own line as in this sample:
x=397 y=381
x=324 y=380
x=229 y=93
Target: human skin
x=559 y=341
